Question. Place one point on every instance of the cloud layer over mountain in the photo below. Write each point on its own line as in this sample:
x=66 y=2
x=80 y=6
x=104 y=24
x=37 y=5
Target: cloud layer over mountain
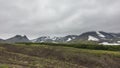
x=58 y=17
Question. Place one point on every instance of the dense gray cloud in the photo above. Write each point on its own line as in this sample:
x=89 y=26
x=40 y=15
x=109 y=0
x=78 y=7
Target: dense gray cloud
x=57 y=17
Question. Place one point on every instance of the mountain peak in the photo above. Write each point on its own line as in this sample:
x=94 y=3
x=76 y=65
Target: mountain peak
x=18 y=38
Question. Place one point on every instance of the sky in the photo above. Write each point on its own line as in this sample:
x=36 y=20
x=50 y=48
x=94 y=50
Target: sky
x=36 y=18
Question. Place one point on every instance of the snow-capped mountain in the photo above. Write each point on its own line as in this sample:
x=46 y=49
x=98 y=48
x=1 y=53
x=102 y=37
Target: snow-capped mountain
x=43 y=39
x=95 y=36
x=55 y=39
x=99 y=36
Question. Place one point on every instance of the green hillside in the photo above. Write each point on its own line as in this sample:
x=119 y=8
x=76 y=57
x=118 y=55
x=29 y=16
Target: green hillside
x=47 y=56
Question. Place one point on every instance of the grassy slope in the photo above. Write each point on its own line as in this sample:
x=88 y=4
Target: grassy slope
x=45 y=56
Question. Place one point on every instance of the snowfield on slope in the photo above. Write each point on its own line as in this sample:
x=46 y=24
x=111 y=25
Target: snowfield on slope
x=106 y=43
x=91 y=38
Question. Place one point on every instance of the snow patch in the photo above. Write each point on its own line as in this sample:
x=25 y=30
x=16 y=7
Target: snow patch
x=42 y=41
x=91 y=38
x=54 y=38
x=106 y=43
x=69 y=39
x=73 y=37
x=118 y=42
x=100 y=34
x=34 y=40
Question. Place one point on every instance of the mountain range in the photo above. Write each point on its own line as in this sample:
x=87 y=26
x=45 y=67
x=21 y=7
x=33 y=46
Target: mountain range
x=100 y=37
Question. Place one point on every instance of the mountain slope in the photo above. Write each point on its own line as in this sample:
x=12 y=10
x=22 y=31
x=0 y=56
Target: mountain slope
x=17 y=38
x=1 y=40
x=92 y=36
x=87 y=37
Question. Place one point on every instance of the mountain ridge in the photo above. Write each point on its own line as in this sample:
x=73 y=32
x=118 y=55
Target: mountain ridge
x=95 y=36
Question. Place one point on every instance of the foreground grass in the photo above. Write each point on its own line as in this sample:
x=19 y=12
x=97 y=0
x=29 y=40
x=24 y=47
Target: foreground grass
x=3 y=66
x=18 y=60
x=45 y=56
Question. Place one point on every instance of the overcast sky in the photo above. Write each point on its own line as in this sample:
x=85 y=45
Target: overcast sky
x=36 y=18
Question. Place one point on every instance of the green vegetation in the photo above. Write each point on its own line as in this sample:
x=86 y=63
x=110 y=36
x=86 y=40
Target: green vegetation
x=48 y=55
x=83 y=46
x=3 y=66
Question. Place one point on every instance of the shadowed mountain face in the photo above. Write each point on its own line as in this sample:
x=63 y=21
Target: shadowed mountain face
x=1 y=40
x=95 y=36
x=85 y=36
x=17 y=38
